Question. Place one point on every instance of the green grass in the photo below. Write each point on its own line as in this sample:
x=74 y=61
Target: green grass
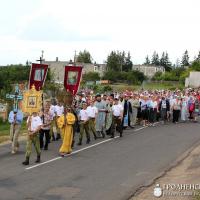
x=147 y=86
x=5 y=128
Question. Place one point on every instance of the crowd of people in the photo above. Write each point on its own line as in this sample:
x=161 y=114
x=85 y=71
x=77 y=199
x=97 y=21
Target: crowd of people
x=102 y=115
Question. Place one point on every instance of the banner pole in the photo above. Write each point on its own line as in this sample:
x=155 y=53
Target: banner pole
x=40 y=60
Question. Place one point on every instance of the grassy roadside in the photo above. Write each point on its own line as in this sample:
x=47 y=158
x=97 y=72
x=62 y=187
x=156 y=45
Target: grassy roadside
x=146 y=86
x=5 y=130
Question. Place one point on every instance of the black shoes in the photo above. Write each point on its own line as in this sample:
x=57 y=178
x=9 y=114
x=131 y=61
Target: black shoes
x=80 y=143
x=26 y=162
x=38 y=159
x=58 y=136
x=88 y=141
x=103 y=134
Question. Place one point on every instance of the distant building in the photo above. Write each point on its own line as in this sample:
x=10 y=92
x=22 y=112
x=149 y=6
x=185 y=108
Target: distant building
x=57 y=68
x=193 y=80
x=149 y=70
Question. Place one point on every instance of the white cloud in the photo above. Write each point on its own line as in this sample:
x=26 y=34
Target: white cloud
x=59 y=27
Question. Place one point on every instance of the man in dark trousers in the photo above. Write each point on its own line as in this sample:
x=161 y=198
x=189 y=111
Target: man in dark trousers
x=164 y=108
x=117 y=110
x=127 y=112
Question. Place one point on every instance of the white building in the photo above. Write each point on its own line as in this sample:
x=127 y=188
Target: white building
x=149 y=70
x=193 y=80
x=58 y=68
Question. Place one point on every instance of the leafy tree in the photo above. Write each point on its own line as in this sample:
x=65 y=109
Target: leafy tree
x=114 y=61
x=91 y=76
x=118 y=61
x=155 y=59
x=131 y=77
x=195 y=66
x=13 y=74
x=185 y=59
x=164 y=61
x=198 y=57
x=84 y=57
x=147 y=61
x=127 y=66
x=157 y=76
x=136 y=77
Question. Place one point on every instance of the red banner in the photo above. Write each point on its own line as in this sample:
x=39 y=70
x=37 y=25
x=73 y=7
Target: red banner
x=72 y=78
x=38 y=75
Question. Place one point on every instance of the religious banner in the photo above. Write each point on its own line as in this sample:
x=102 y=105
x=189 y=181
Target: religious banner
x=32 y=101
x=38 y=75
x=72 y=78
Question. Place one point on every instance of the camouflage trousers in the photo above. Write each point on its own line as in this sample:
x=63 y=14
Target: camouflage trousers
x=35 y=140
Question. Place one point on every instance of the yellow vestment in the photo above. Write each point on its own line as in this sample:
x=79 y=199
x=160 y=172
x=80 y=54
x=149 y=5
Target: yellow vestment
x=67 y=132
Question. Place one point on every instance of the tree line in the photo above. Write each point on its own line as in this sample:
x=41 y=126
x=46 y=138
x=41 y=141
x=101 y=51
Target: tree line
x=15 y=74
x=121 y=61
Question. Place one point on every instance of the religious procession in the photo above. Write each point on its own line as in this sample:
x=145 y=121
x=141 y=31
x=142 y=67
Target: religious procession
x=92 y=117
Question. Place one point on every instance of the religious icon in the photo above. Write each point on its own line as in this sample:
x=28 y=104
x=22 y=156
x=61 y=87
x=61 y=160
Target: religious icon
x=72 y=77
x=32 y=101
x=39 y=75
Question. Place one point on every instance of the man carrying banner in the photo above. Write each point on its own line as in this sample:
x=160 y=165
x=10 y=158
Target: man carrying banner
x=15 y=119
x=34 y=123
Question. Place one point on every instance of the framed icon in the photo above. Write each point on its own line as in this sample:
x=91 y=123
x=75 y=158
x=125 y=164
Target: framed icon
x=72 y=77
x=32 y=102
x=39 y=75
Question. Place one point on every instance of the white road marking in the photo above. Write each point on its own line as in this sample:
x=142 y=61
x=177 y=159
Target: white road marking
x=144 y=127
x=140 y=128
x=74 y=152
x=77 y=151
x=34 y=166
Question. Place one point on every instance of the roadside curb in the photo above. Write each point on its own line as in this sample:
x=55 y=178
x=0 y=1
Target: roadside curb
x=174 y=164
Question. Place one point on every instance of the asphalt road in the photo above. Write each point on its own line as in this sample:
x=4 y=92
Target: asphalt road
x=109 y=169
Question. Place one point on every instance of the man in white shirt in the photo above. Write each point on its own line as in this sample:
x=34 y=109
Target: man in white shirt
x=34 y=123
x=117 y=118
x=92 y=114
x=84 y=122
x=59 y=109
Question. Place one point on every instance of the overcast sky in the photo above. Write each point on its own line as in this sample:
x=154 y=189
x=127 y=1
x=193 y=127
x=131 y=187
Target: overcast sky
x=59 y=27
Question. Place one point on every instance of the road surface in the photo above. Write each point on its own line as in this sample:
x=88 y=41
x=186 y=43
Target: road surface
x=106 y=169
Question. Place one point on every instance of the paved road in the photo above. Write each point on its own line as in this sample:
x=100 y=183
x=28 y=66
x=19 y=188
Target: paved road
x=111 y=170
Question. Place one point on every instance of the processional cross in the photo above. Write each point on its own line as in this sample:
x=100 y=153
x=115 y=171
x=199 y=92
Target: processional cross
x=17 y=96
